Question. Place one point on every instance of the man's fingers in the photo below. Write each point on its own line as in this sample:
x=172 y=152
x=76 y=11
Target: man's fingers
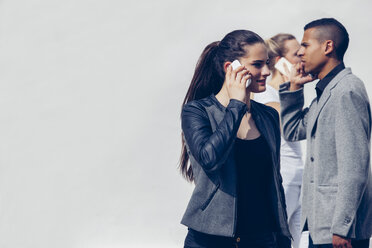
x=348 y=245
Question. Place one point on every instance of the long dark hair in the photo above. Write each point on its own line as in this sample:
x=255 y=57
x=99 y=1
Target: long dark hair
x=209 y=75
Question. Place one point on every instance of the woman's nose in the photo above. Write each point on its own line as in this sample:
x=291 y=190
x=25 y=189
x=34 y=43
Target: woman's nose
x=266 y=71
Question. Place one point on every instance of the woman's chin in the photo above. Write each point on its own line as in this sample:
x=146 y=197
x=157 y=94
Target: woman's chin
x=259 y=89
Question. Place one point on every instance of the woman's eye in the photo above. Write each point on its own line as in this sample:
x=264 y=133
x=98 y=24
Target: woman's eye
x=257 y=65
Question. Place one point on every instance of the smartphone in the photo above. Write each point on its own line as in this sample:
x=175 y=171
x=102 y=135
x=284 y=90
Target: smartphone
x=280 y=66
x=235 y=64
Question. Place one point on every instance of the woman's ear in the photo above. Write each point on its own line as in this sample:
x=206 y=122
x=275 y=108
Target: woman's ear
x=277 y=59
x=226 y=65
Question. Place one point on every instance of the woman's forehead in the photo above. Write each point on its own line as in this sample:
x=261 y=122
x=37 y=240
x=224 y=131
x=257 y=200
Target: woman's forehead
x=256 y=51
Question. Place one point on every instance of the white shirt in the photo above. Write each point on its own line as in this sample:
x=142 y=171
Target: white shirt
x=291 y=165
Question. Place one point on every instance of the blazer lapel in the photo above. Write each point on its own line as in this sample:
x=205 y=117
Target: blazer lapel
x=324 y=98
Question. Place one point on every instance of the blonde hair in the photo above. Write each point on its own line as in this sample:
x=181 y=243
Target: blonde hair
x=275 y=47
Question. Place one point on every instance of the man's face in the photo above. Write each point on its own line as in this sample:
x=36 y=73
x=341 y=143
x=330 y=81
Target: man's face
x=312 y=52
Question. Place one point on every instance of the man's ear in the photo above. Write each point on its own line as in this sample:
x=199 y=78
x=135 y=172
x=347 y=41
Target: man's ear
x=329 y=47
x=226 y=65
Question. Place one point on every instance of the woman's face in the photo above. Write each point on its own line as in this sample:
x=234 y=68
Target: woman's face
x=292 y=46
x=256 y=60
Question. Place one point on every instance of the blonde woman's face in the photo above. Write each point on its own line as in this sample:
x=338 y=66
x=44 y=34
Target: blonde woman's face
x=292 y=46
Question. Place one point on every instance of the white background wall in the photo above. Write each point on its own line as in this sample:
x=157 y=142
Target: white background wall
x=90 y=96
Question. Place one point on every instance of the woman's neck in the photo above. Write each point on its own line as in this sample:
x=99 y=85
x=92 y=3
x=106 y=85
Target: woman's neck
x=223 y=97
x=276 y=80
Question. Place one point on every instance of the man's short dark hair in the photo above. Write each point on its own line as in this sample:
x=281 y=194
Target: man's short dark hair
x=331 y=29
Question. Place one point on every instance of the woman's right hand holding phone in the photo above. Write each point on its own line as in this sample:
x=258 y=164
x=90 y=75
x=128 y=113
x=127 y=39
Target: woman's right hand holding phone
x=236 y=82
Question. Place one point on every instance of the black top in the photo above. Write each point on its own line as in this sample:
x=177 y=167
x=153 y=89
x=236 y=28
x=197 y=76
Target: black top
x=255 y=176
x=322 y=84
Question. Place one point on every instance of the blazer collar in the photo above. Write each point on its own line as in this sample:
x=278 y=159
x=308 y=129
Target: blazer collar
x=325 y=96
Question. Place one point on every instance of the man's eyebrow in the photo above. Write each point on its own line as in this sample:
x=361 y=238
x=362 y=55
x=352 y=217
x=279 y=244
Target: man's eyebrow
x=258 y=61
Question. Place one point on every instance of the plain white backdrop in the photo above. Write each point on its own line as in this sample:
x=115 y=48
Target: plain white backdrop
x=90 y=97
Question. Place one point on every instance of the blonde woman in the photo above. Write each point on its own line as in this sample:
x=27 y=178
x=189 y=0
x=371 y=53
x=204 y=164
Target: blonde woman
x=285 y=45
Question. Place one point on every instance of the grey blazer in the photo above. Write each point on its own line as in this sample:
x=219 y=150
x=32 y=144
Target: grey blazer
x=337 y=183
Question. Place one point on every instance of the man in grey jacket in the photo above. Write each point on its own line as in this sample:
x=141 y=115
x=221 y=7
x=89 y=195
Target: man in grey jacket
x=337 y=183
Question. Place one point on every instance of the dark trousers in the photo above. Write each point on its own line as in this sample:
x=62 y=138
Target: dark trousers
x=196 y=239
x=364 y=243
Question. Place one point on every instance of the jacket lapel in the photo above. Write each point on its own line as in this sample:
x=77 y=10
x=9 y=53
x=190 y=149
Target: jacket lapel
x=264 y=127
x=324 y=98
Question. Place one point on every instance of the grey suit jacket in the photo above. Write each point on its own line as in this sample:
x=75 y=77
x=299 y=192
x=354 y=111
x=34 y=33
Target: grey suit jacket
x=337 y=183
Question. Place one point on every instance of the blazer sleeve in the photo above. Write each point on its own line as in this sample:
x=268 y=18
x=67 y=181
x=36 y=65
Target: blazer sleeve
x=207 y=147
x=294 y=117
x=352 y=138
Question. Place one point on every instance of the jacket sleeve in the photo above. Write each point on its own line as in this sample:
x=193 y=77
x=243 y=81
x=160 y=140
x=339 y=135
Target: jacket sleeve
x=352 y=138
x=294 y=118
x=207 y=147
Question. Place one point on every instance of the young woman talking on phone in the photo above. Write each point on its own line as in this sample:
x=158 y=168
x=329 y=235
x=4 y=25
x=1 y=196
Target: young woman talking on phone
x=231 y=150
x=291 y=164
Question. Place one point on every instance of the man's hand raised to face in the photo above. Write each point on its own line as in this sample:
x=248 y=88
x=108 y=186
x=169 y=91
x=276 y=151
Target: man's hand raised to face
x=297 y=76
